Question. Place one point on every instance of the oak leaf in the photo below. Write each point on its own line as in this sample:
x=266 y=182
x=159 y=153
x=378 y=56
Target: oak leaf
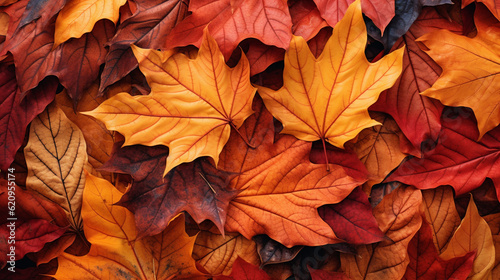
x=231 y=21
x=217 y=253
x=78 y=17
x=470 y=71
x=327 y=98
x=457 y=160
x=192 y=106
x=399 y=217
x=473 y=234
x=56 y=155
x=116 y=253
x=280 y=189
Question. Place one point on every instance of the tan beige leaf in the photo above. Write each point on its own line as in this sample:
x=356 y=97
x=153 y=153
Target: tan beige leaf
x=439 y=208
x=399 y=217
x=378 y=148
x=56 y=155
x=473 y=234
x=217 y=253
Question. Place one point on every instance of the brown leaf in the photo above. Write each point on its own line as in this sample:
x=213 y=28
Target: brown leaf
x=271 y=252
x=56 y=155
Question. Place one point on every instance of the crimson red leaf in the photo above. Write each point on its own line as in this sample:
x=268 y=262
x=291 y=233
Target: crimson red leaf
x=245 y=271
x=197 y=187
x=425 y=262
x=15 y=115
x=352 y=219
x=418 y=116
x=146 y=28
x=458 y=160
x=318 y=274
x=231 y=21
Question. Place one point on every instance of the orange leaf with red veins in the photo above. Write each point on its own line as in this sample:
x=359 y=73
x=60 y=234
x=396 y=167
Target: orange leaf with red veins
x=399 y=217
x=280 y=189
x=231 y=21
x=327 y=98
x=217 y=253
x=473 y=234
x=192 y=106
x=79 y=17
x=378 y=148
x=116 y=253
x=441 y=214
x=471 y=68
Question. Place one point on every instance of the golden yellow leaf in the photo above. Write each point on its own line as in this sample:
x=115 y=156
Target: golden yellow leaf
x=470 y=76
x=399 y=217
x=441 y=213
x=56 y=154
x=116 y=253
x=473 y=234
x=192 y=106
x=327 y=98
x=217 y=253
x=378 y=148
x=78 y=17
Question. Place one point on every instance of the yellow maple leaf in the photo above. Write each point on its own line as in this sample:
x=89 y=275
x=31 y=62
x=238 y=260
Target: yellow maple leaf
x=327 y=98
x=192 y=106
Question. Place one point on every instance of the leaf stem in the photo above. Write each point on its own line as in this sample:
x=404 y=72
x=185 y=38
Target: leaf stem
x=324 y=151
x=244 y=139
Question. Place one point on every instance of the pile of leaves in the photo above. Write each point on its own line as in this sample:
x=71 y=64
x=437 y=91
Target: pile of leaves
x=261 y=139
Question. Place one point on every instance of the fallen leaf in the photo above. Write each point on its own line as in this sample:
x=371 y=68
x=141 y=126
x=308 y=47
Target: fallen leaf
x=352 y=219
x=418 y=116
x=306 y=18
x=196 y=187
x=333 y=11
x=305 y=104
x=318 y=274
x=17 y=113
x=231 y=21
x=458 y=160
x=425 y=262
x=381 y=12
x=399 y=217
x=441 y=214
x=473 y=234
x=217 y=253
x=491 y=4
x=223 y=96
x=78 y=17
x=493 y=221
x=271 y=252
x=115 y=251
x=470 y=78
x=378 y=148
x=244 y=271
x=280 y=189
x=56 y=155
x=40 y=10
x=146 y=28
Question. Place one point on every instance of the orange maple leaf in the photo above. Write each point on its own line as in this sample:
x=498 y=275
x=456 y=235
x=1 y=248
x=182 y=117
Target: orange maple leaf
x=327 y=98
x=192 y=106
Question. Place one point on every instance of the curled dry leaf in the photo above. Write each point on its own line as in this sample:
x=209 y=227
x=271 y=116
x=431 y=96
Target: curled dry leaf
x=399 y=217
x=327 y=98
x=116 y=253
x=56 y=155
x=192 y=106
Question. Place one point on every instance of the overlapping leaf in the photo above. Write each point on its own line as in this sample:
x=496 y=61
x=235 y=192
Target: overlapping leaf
x=324 y=98
x=115 y=252
x=56 y=156
x=192 y=106
x=470 y=75
x=231 y=21
x=280 y=189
